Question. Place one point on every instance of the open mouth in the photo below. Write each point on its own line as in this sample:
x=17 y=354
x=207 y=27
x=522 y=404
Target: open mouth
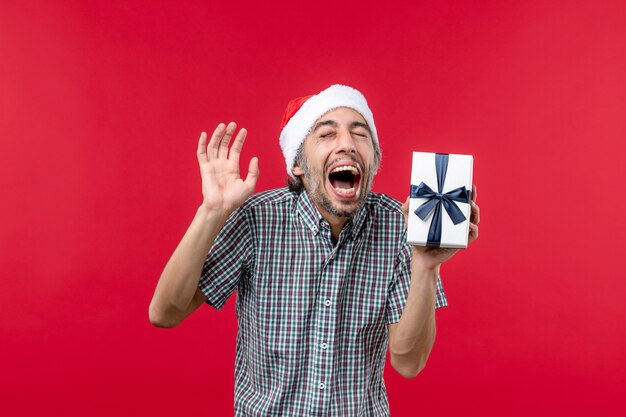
x=344 y=179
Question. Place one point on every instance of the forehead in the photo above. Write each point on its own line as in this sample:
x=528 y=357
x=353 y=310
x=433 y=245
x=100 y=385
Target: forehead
x=341 y=115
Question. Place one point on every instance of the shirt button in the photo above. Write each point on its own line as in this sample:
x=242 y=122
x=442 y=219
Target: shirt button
x=327 y=303
x=321 y=385
x=324 y=345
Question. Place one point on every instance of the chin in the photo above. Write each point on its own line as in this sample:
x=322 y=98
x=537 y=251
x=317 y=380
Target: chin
x=341 y=206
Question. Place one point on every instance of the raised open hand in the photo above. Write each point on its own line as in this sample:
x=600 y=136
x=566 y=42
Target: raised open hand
x=223 y=188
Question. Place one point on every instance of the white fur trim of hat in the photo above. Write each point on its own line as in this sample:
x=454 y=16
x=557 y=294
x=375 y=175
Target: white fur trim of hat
x=301 y=115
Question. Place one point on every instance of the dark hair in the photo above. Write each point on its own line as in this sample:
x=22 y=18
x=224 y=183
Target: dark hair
x=296 y=185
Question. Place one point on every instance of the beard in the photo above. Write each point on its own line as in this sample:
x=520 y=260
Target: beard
x=314 y=181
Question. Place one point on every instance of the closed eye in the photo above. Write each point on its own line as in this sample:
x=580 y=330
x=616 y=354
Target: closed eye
x=361 y=129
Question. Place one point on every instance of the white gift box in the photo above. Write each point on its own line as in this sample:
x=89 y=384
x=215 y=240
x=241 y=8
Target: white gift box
x=431 y=202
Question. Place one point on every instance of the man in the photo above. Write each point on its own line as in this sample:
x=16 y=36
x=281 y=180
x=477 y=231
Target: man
x=324 y=276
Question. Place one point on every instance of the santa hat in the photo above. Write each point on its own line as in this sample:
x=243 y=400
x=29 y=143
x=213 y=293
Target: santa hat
x=301 y=114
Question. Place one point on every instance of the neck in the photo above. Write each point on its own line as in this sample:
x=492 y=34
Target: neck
x=336 y=223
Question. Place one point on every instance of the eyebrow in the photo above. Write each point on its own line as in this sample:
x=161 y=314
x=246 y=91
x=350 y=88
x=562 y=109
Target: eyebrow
x=330 y=123
x=333 y=123
x=363 y=125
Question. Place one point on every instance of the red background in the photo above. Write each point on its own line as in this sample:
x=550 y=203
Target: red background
x=101 y=106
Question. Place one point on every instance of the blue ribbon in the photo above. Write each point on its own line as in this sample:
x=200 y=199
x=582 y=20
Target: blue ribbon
x=437 y=199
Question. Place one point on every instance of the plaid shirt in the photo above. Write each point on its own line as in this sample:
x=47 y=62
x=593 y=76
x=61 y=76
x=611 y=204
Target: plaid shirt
x=312 y=314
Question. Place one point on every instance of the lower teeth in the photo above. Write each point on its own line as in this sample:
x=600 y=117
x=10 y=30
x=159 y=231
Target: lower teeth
x=345 y=190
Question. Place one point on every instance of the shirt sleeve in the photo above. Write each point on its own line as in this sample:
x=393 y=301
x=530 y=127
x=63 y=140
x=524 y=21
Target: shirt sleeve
x=227 y=260
x=399 y=289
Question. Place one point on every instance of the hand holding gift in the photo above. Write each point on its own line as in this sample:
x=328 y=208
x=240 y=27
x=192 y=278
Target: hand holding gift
x=441 y=212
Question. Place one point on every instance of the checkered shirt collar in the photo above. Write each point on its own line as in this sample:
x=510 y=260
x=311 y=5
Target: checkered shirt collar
x=312 y=218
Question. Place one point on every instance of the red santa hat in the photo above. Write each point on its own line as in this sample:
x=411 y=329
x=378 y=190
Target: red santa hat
x=302 y=112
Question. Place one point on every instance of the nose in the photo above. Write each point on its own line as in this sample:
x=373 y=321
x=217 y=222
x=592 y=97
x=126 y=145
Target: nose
x=346 y=142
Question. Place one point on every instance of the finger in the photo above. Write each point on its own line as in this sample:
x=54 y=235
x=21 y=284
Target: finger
x=473 y=232
x=223 y=149
x=202 y=148
x=405 y=211
x=235 y=150
x=253 y=173
x=474 y=192
x=405 y=206
x=475 y=215
x=214 y=143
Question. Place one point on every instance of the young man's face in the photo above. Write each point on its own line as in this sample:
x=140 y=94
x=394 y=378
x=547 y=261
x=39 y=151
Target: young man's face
x=338 y=162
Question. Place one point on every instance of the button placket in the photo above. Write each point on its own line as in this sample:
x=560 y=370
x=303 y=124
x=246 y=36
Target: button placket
x=326 y=324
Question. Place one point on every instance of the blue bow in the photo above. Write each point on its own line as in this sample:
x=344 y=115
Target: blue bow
x=437 y=199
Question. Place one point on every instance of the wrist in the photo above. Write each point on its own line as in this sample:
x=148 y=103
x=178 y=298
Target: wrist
x=213 y=215
x=423 y=262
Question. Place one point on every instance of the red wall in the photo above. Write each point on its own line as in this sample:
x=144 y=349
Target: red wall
x=101 y=106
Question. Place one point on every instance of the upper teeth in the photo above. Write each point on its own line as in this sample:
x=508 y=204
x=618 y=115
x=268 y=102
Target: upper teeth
x=346 y=168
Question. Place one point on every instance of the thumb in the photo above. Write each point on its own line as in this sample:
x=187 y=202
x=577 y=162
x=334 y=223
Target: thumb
x=405 y=211
x=405 y=206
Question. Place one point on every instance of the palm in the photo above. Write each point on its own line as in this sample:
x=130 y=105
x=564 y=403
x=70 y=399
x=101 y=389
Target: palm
x=222 y=185
x=431 y=256
x=434 y=256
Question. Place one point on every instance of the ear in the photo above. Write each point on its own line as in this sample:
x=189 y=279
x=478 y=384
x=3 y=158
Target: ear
x=297 y=171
